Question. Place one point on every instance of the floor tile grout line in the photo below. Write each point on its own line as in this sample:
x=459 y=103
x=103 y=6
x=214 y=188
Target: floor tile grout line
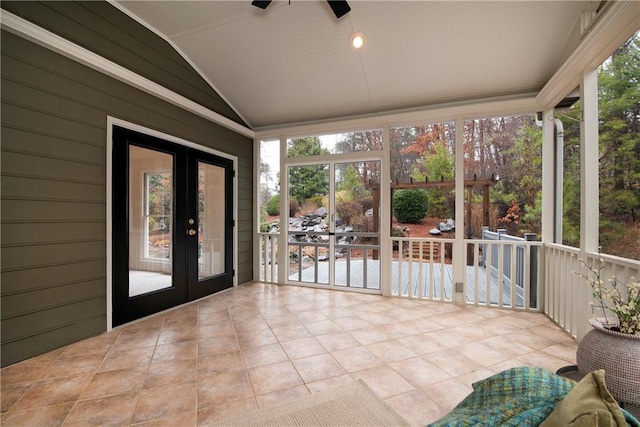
x=242 y=356
x=75 y=403
x=139 y=394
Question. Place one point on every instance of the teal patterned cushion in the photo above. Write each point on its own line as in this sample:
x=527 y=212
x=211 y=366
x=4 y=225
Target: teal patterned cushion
x=522 y=396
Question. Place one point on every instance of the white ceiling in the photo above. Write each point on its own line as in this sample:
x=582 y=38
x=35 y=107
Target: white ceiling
x=292 y=63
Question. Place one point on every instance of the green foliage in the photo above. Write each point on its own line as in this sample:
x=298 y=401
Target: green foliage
x=265 y=227
x=410 y=206
x=532 y=217
x=307 y=181
x=437 y=164
x=315 y=200
x=619 y=140
x=273 y=205
x=352 y=184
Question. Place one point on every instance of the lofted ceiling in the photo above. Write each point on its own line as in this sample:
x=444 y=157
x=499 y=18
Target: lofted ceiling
x=292 y=63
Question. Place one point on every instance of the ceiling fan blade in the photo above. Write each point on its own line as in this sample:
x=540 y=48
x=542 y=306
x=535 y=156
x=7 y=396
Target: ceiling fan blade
x=261 y=4
x=339 y=7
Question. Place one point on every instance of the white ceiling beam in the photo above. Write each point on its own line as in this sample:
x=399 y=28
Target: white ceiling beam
x=615 y=25
x=490 y=107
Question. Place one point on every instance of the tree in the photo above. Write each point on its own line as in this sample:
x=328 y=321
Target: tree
x=267 y=184
x=525 y=175
x=307 y=181
x=352 y=184
x=360 y=141
x=437 y=164
x=370 y=140
x=619 y=143
x=619 y=105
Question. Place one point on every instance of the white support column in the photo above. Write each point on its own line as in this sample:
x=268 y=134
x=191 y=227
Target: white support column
x=459 y=248
x=385 y=213
x=549 y=178
x=256 y=204
x=559 y=180
x=589 y=177
x=283 y=237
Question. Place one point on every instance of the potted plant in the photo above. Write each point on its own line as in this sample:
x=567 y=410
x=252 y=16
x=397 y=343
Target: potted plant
x=614 y=342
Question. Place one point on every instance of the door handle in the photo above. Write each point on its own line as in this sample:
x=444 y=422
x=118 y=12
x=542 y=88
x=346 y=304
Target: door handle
x=191 y=232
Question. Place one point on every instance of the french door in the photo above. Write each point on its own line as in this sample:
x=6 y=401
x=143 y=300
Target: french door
x=172 y=224
x=334 y=236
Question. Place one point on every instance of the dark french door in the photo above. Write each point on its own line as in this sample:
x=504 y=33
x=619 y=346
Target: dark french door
x=172 y=224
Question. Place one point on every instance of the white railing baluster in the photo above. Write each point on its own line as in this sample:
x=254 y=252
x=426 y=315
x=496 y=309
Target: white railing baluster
x=267 y=257
x=526 y=285
x=273 y=257
x=513 y=285
x=476 y=275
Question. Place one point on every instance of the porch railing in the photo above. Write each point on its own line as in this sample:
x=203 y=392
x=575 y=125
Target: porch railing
x=568 y=296
x=544 y=275
x=520 y=250
x=504 y=273
x=268 y=257
x=497 y=273
x=419 y=269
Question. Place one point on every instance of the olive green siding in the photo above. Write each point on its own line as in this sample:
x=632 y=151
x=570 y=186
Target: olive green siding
x=53 y=171
x=105 y=30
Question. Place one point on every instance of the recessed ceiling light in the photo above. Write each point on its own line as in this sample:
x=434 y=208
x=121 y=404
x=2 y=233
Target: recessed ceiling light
x=357 y=40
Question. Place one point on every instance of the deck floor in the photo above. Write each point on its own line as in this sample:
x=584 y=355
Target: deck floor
x=414 y=278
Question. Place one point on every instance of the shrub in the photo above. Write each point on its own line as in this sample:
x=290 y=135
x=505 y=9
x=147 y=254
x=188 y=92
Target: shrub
x=362 y=224
x=315 y=200
x=293 y=207
x=265 y=227
x=273 y=205
x=309 y=206
x=343 y=196
x=348 y=211
x=410 y=206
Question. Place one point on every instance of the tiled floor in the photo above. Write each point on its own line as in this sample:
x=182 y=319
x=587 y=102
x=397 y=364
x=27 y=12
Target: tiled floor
x=259 y=345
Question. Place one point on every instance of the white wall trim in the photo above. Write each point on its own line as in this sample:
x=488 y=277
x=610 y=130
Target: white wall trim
x=177 y=49
x=30 y=31
x=109 y=219
x=113 y=121
x=619 y=21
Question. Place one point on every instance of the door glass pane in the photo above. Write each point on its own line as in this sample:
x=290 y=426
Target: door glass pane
x=309 y=223
x=211 y=220
x=150 y=220
x=357 y=224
